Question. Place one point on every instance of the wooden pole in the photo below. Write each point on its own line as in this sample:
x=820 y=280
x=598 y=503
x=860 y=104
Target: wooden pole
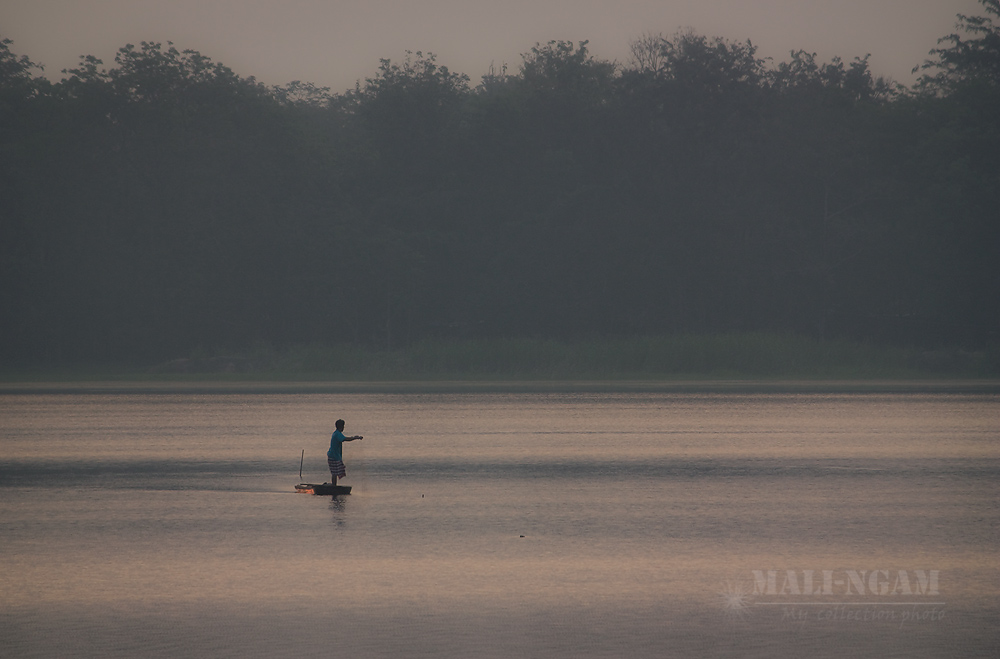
x=303 y=457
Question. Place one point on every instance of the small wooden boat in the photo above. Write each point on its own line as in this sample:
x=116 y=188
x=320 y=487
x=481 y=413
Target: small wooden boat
x=322 y=488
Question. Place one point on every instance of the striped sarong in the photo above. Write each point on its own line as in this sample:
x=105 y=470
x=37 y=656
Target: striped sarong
x=337 y=469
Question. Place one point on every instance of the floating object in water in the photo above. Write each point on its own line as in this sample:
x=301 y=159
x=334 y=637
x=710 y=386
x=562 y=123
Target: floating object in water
x=322 y=488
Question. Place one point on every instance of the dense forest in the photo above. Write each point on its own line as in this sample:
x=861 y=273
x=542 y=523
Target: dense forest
x=164 y=204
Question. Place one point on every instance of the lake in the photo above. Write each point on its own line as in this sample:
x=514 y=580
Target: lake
x=550 y=524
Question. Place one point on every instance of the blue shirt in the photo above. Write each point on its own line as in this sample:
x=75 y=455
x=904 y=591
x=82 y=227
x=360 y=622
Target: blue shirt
x=336 y=451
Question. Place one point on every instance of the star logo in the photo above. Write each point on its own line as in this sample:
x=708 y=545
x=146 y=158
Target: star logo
x=735 y=597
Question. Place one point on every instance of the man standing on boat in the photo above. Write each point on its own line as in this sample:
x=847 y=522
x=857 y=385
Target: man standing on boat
x=335 y=456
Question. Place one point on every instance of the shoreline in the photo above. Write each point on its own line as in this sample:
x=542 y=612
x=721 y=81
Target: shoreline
x=707 y=386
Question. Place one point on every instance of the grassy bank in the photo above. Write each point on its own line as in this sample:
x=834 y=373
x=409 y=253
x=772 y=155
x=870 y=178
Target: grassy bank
x=680 y=357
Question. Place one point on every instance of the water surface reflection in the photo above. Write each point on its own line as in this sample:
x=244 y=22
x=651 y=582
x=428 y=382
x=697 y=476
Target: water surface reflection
x=549 y=525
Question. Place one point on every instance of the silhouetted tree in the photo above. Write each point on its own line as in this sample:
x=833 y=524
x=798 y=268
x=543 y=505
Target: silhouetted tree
x=973 y=53
x=164 y=203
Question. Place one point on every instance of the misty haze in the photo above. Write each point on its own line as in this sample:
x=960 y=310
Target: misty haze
x=686 y=351
x=164 y=207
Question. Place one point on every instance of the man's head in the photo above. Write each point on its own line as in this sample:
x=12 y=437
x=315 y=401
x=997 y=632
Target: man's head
x=340 y=424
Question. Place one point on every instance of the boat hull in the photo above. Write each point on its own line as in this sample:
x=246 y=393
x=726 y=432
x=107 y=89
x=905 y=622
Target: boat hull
x=322 y=488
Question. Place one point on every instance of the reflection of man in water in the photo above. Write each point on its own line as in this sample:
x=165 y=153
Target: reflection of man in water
x=335 y=456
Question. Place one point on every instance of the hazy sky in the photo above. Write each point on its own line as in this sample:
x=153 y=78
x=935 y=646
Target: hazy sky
x=335 y=42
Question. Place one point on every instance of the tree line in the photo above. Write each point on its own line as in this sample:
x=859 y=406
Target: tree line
x=165 y=203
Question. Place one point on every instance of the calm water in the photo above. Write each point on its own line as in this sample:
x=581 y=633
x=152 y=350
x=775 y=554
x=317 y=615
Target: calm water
x=501 y=525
